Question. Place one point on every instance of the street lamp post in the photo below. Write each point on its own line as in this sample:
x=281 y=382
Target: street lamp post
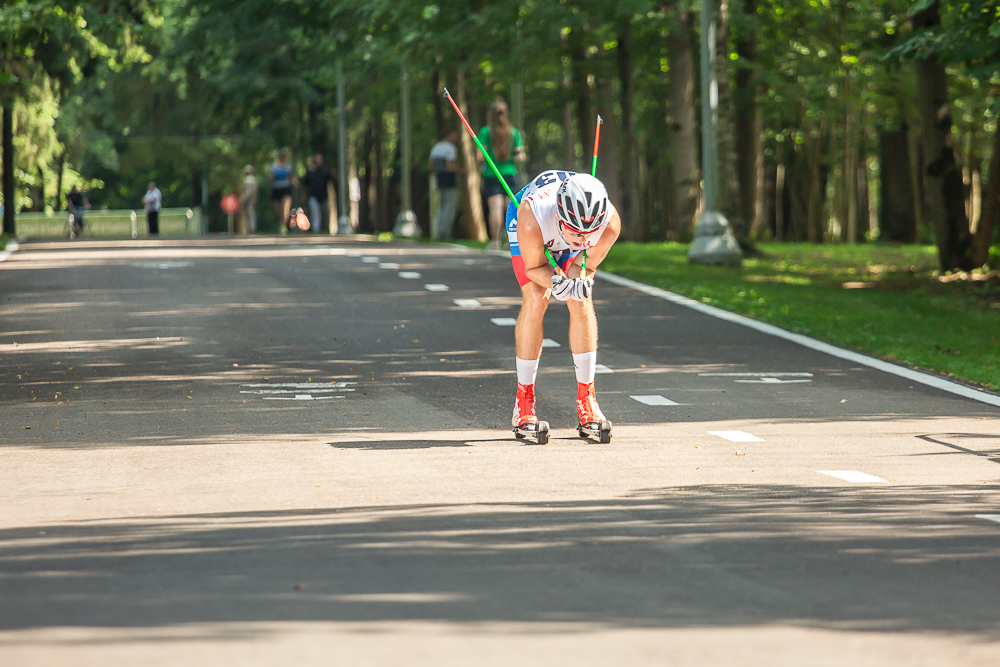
x=713 y=242
x=406 y=221
x=343 y=210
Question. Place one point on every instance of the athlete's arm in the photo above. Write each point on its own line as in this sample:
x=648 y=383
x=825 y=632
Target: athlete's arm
x=529 y=239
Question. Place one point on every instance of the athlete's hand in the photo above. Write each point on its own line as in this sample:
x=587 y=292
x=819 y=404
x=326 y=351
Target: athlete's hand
x=583 y=288
x=562 y=287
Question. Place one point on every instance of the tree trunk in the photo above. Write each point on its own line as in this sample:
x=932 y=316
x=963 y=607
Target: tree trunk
x=682 y=123
x=729 y=185
x=581 y=91
x=57 y=204
x=437 y=83
x=381 y=217
x=366 y=222
x=41 y=189
x=989 y=217
x=475 y=223
x=897 y=221
x=749 y=169
x=637 y=228
x=944 y=201
x=9 y=202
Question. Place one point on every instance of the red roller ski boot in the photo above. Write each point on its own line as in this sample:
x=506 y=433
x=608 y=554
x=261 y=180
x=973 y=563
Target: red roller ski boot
x=592 y=421
x=524 y=421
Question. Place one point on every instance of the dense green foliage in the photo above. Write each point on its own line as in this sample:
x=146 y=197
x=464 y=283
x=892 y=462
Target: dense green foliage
x=186 y=91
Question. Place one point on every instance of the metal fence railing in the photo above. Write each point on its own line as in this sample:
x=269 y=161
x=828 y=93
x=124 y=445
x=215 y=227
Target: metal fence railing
x=173 y=222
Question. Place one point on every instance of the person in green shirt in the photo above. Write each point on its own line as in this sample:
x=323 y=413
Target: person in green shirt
x=503 y=143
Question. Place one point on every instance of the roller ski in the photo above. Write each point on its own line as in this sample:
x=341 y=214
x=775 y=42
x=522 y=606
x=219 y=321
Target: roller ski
x=524 y=421
x=592 y=422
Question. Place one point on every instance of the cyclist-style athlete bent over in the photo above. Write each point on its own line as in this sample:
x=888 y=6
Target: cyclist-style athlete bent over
x=565 y=216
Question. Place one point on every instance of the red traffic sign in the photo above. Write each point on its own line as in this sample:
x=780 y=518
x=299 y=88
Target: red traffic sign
x=230 y=204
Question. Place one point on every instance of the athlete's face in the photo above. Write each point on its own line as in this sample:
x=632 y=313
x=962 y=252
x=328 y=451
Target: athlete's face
x=572 y=237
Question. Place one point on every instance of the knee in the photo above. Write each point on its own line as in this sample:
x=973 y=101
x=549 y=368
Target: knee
x=536 y=301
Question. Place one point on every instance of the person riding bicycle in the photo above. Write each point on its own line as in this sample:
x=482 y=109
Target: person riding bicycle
x=76 y=204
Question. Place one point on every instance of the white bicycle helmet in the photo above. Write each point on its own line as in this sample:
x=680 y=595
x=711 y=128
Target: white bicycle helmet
x=582 y=204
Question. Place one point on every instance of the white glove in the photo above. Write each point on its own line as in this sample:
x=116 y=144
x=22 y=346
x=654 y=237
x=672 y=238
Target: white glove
x=562 y=287
x=583 y=288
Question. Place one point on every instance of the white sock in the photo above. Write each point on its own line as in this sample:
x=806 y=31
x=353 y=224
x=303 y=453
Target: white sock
x=586 y=366
x=527 y=369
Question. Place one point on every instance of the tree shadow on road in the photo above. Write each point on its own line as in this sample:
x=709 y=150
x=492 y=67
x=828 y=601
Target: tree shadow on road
x=904 y=559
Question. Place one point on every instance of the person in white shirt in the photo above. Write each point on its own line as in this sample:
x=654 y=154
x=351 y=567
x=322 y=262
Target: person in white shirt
x=153 y=201
x=443 y=156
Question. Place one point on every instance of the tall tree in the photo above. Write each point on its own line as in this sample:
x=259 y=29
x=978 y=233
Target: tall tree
x=682 y=119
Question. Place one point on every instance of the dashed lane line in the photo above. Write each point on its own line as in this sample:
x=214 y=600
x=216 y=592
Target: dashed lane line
x=548 y=342
x=852 y=476
x=736 y=436
x=392 y=266
x=989 y=517
x=370 y=260
x=503 y=321
x=653 y=399
x=602 y=369
x=467 y=303
x=436 y=287
x=409 y=275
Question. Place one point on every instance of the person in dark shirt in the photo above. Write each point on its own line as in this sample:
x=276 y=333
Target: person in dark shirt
x=317 y=177
x=76 y=204
x=442 y=163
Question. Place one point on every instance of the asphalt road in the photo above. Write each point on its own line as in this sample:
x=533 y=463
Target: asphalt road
x=297 y=451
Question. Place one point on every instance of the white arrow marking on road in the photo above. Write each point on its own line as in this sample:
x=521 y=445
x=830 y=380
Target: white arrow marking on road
x=852 y=476
x=601 y=368
x=989 y=517
x=370 y=260
x=409 y=275
x=736 y=436
x=548 y=342
x=653 y=399
x=436 y=287
x=389 y=265
x=467 y=303
x=503 y=321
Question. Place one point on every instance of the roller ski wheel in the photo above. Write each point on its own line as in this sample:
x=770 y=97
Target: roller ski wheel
x=600 y=431
x=537 y=431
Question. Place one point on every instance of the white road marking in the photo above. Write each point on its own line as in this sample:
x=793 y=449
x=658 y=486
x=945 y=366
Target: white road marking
x=300 y=397
x=162 y=265
x=409 y=275
x=601 y=368
x=317 y=391
x=777 y=374
x=436 y=287
x=503 y=321
x=852 y=476
x=989 y=517
x=353 y=253
x=736 y=436
x=548 y=342
x=653 y=399
x=370 y=260
x=389 y=265
x=771 y=381
x=806 y=341
x=467 y=303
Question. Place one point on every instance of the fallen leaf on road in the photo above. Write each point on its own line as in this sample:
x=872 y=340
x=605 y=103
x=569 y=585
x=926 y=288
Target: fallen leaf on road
x=299 y=587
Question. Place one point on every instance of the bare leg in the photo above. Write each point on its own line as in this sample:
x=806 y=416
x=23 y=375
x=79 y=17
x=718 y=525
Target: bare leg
x=286 y=210
x=529 y=332
x=497 y=205
x=582 y=326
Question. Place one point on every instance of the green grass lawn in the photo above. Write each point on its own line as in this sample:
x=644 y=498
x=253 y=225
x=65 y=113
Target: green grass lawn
x=886 y=301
